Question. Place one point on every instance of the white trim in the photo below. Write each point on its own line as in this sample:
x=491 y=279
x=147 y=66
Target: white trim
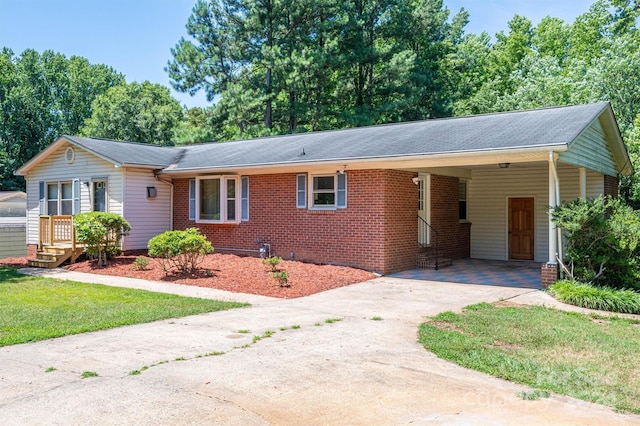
x=223 y=179
x=311 y=192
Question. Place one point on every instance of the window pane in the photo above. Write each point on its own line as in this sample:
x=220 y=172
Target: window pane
x=67 y=207
x=324 y=199
x=462 y=207
x=192 y=188
x=67 y=191
x=99 y=197
x=192 y=199
x=52 y=191
x=323 y=183
x=462 y=189
x=210 y=199
x=231 y=210
x=231 y=189
x=52 y=208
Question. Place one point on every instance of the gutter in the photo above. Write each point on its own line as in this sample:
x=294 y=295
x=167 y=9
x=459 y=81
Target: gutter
x=373 y=159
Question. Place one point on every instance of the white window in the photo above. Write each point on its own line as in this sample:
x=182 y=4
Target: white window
x=59 y=198
x=462 y=200
x=327 y=191
x=217 y=199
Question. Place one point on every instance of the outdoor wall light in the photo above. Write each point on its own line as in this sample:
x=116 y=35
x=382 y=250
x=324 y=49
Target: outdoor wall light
x=152 y=192
x=416 y=180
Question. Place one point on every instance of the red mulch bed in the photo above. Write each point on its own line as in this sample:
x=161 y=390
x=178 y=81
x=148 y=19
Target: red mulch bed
x=232 y=273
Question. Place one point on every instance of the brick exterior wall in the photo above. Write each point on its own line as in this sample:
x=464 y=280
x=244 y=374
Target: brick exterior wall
x=611 y=186
x=377 y=231
x=32 y=250
x=549 y=274
x=454 y=237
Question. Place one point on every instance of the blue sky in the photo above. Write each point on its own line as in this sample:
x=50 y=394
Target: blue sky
x=135 y=36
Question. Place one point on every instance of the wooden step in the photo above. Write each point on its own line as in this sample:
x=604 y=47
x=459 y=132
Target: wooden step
x=52 y=256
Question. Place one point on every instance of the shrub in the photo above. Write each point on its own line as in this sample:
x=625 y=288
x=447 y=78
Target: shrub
x=273 y=262
x=140 y=263
x=602 y=241
x=183 y=250
x=282 y=277
x=102 y=233
x=592 y=297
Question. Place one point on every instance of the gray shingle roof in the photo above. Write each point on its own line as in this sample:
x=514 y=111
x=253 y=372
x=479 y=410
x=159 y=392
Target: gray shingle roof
x=129 y=153
x=510 y=130
x=500 y=131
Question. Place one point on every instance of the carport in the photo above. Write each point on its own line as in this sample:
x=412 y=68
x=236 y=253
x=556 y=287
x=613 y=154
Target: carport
x=482 y=272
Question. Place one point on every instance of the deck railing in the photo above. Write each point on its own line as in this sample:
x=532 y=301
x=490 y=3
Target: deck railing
x=56 y=229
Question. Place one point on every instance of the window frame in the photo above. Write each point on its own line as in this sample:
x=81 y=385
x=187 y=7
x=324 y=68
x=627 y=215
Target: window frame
x=93 y=193
x=59 y=194
x=465 y=200
x=339 y=190
x=222 y=191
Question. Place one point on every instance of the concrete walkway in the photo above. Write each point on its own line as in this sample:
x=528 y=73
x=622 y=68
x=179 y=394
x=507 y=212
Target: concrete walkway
x=353 y=371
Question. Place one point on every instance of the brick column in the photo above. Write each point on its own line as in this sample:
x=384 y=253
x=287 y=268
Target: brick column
x=549 y=274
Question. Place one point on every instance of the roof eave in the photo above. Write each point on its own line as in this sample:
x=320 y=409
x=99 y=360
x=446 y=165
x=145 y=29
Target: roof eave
x=375 y=160
x=26 y=167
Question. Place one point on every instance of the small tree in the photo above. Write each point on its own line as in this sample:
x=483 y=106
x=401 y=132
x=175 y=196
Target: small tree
x=102 y=233
x=602 y=241
x=183 y=250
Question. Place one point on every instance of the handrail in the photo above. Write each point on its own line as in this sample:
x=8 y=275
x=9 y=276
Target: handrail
x=436 y=235
x=56 y=229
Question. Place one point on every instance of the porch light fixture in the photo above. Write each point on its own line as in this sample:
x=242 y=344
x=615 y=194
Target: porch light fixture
x=152 y=192
x=504 y=165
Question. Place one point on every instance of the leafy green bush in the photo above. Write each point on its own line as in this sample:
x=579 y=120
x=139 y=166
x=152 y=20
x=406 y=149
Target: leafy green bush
x=592 y=297
x=102 y=233
x=602 y=241
x=273 y=262
x=182 y=250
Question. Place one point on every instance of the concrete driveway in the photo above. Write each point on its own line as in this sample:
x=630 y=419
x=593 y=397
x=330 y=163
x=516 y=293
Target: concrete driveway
x=353 y=371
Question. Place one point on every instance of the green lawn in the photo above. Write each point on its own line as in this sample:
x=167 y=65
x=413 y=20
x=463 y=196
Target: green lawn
x=34 y=308
x=587 y=357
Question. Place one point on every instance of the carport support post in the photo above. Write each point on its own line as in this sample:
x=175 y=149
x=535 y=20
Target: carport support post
x=549 y=272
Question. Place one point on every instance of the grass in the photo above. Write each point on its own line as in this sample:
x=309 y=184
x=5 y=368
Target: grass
x=592 y=297
x=587 y=357
x=36 y=308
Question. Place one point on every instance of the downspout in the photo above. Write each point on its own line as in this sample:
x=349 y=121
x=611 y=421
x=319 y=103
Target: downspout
x=552 y=164
x=155 y=175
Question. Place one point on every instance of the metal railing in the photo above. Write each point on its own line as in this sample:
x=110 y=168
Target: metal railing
x=424 y=238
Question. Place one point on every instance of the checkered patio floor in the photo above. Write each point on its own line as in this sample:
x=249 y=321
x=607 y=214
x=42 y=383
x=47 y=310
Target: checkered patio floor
x=482 y=272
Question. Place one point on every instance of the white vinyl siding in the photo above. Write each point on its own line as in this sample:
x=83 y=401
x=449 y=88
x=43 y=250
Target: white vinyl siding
x=56 y=169
x=488 y=193
x=148 y=217
x=591 y=150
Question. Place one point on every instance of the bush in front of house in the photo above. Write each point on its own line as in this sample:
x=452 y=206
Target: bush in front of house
x=602 y=242
x=101 y=232
x=600 y=298
x=182 y=250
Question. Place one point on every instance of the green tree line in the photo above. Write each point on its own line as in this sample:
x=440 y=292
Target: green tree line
x=274 y=67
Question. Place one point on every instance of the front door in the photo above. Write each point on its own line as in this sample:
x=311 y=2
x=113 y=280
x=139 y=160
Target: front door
x=521 y=232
